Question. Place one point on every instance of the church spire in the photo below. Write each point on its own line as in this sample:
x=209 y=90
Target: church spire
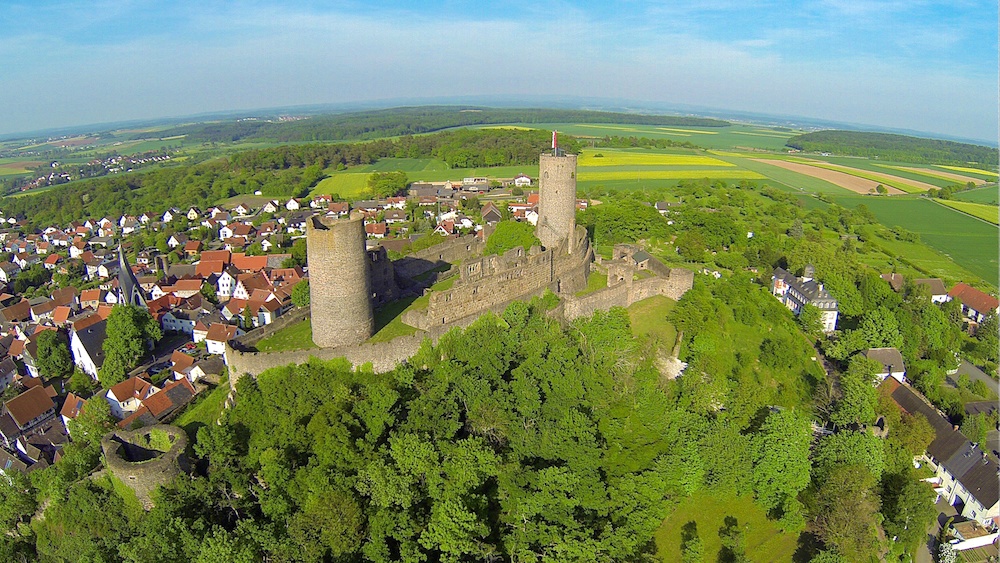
x=129 y=291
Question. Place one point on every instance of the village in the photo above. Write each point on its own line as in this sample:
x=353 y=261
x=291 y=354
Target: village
x=216 y=274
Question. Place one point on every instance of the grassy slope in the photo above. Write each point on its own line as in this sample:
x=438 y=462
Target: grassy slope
x=763 y=540
x=205 y=411
x=293 y=337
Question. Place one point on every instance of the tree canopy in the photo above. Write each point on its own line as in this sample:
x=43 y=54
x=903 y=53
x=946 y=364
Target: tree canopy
x=130 y=332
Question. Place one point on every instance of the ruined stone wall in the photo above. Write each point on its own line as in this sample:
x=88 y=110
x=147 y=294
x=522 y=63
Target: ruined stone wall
x=143 y=477
x=627 y=292
x=252 y=337
x=382 y=274
x=454 y=250
x=600 y=300
x=556 y=200
x=339 y=282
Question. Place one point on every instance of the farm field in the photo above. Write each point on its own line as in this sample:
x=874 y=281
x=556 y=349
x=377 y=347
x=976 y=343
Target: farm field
x=988 y=194
x=347 y=185
x=618 y=157
x=970 y=242
x=9 y=167
x=974 y=171
x=940 y=174
x=747 y=137
x=728 y=174
x=979 y=210
x=407 y=165
x=841 y=179
x=764 y=542
x=907 y=185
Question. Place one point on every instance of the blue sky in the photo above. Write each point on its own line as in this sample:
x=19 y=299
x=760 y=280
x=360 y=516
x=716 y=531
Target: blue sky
x=922 y=65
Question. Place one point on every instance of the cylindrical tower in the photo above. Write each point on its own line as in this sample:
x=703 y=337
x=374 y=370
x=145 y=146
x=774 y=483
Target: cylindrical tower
x=556 y=199
x=340 y=291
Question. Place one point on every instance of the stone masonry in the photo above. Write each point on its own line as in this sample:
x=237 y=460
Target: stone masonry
x=340 y=285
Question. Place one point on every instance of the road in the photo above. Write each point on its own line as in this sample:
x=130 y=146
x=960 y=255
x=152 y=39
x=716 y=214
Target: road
x=924 y=553
x=975 y=373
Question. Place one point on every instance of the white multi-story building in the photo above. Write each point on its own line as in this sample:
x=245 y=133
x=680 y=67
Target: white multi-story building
x=797 y=292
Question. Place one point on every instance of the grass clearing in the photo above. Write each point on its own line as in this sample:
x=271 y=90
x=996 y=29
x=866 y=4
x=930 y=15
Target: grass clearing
x=205 y=410
x=978 y=210
x=297 y=336
x=764 y=542
x=649 y=318
x=595 y=281
x=388 y=321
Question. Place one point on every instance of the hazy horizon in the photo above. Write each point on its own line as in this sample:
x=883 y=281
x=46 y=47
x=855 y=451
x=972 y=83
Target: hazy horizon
x=920 y=66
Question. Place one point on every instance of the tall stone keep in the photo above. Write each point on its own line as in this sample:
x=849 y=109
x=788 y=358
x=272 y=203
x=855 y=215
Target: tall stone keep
x=556 y=199
x=340 y=290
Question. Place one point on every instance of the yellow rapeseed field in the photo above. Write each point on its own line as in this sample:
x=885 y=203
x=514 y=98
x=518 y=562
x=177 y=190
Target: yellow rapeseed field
x=593 y=175
x=622 y=158
x=973 y=170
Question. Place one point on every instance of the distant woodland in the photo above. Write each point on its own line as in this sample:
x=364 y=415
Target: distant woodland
x=410 y=121
x=283 y=171
x=887 y=146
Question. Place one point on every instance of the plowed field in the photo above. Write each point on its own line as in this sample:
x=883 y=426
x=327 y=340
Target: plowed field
x=844 y=180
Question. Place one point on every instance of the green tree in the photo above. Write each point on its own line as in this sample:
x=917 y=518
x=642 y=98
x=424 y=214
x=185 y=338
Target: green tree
x=511 y=234
x=781 y=459
x=908 y=507
x=300 y=294
x=858 y=397
x=847 y=512
x=54 y=359
x=208 y=292
x=130 y=332
x=386 y=184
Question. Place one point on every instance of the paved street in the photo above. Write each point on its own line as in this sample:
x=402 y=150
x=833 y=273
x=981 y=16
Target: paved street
x=924 y=554
x=975 y=373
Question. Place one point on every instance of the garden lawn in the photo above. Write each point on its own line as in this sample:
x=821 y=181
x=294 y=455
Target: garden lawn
x=293 y=337
x=388 y=321
x=764 y=542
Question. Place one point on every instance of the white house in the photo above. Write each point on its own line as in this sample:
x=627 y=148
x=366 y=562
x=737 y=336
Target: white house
x=218 y=335
x=964 y=475
x=797 y=292
x=891 y=361
x=126 y=397
x=86 y=344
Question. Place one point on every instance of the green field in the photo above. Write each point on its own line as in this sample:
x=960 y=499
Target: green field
x=297 y=336
x=731 y=137
x=970 y=242
x=982 y=211
x=986 y=194
x=348 y=185
x=764 y=542
x=388 y=321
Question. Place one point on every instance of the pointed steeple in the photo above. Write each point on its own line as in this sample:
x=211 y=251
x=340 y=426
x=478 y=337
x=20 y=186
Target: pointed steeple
x=129 y=291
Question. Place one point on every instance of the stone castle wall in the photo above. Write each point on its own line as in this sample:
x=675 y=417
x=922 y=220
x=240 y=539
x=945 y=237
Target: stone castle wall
x=624 y=293
x=340 y=286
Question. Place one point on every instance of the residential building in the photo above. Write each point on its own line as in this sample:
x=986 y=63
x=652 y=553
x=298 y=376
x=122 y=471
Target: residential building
x=797 y=292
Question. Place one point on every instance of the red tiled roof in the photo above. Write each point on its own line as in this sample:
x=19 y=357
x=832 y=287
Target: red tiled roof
x=61 y=314
x=249 y=263
x=72 y=406
x=973 y=298
x=181 y=360
x=219 y=332
x=206 y=268
x=222 y=255
x=134 y=386
x=192 y=246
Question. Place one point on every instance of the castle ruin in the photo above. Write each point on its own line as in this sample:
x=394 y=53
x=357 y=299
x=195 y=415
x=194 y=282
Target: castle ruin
x=347 y=282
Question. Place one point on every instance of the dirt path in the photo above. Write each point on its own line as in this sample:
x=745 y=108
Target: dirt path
x=842 y=179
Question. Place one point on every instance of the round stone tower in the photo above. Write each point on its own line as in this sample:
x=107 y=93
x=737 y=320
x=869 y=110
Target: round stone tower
x=556 y=199
x=340 y=291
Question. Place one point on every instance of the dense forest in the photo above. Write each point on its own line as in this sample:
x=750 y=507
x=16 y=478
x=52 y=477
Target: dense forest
x=282 y=171
x=409 y=121
x=887 y=146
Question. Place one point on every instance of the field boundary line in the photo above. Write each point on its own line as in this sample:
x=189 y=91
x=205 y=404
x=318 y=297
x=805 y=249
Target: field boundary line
x=962 y=212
